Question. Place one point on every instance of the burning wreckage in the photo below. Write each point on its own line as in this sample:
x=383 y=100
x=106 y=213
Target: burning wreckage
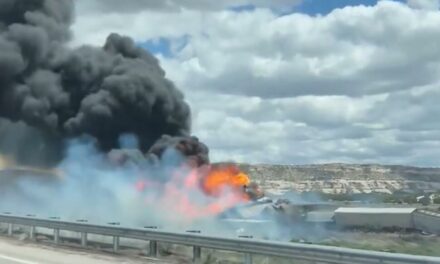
x=69 y=110
x=53 y=98
x=223 y=181
x=218 y=187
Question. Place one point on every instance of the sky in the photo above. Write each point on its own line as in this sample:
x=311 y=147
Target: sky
x=291 y=81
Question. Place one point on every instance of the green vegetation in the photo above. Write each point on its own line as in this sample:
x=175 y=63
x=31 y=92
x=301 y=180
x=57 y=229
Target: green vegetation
x=210 y=256
x=409 y=244
x=408 y=198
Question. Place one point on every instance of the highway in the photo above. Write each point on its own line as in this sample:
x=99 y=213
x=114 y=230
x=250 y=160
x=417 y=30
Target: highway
x=13 y=251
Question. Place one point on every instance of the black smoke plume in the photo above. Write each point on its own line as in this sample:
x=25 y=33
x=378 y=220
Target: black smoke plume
x=196 y=153
x=50 y=92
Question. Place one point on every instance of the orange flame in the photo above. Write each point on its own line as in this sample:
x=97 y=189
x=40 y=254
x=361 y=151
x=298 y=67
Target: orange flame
x=223 y=187
x=222 y=177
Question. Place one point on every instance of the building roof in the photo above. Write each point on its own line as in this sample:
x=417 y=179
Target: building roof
x=375 y=210
x=431 y=213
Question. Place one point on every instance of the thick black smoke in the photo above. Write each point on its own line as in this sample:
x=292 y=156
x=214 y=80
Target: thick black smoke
x=56 y=93
x=195 y=151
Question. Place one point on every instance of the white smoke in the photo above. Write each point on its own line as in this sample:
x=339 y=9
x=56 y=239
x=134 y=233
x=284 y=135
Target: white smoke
x=92 y=187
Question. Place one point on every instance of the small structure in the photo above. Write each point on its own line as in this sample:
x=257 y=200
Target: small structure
x=376 y=218
x=426 y=199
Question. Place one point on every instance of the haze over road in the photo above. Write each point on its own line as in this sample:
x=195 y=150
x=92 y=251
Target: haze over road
x=16 y=252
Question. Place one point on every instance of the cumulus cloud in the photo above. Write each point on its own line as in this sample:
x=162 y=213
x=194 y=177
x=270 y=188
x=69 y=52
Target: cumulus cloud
x=355 y=51
x=356 y=85
x=424 y=4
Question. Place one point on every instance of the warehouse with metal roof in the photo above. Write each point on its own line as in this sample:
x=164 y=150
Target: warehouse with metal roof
x=374 y=217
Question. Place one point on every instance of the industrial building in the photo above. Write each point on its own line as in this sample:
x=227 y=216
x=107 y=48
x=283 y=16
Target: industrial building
x=295 y=214
x=375 y=217
x=383 y=218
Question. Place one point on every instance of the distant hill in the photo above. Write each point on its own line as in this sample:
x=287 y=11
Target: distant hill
x=338 y=171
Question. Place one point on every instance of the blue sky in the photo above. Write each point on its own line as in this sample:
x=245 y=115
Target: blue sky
x=323 y=7
x=161 y=46
x=315 y=7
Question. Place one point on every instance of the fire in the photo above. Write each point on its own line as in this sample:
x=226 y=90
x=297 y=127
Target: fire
x=223 y=177
x=200 y=192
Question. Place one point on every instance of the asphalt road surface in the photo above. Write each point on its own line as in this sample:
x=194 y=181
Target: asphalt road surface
x=16 y=252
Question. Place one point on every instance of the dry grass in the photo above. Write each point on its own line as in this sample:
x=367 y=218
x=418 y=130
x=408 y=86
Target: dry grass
x=415 y=244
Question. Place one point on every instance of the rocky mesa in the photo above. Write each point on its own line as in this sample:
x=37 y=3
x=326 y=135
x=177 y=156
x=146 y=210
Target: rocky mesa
x=344 y=178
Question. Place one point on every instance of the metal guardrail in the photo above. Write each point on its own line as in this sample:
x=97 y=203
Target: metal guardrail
x=294 y=251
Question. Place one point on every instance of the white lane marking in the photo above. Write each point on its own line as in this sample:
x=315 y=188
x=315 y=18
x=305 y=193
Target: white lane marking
x=22 y=261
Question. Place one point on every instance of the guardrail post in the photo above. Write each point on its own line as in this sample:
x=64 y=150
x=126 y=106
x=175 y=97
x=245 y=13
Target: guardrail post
x=32 y=232
x=197 y=254
x=56 y=236
x=10 y=227
x=83 y=239
x=153 y=248
x=247 y=258
x=115 y=244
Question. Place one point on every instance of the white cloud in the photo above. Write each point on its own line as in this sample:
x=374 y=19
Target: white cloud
x=424 y=4
x=358 y=85
x=355 y=50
